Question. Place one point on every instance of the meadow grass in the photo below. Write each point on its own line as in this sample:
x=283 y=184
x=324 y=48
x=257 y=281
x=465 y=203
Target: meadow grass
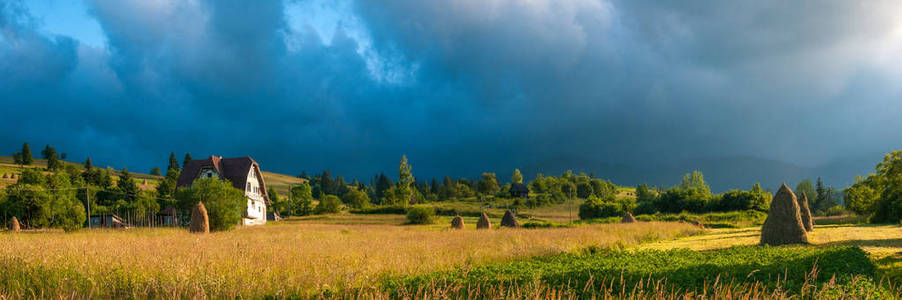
x=801 y=270
x=883 y=243
x=293 y=258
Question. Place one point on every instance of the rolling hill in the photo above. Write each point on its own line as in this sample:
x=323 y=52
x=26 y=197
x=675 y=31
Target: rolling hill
x=279 y=182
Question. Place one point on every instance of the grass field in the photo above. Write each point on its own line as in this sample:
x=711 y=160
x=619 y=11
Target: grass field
x=289 y=258
x=378 y=256
x=802 y=271
x=883 y=243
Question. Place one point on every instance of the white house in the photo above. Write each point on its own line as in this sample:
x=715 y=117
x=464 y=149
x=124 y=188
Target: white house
x=244 y=174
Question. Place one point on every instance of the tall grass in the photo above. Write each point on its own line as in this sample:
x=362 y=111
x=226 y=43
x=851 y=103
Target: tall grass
x=279 y=260
x=856 y=287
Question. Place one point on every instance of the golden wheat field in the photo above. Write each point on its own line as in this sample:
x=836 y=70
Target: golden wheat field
x=280 y=259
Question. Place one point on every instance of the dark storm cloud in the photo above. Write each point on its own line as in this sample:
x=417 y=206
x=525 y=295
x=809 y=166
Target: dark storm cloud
x=486 y=85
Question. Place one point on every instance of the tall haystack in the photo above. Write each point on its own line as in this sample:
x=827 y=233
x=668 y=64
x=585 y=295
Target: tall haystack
x=12 y=176
x=509 y=220
x=628 y=218
x=784 y=221
x=14 y=225
x=806 y=213
x=5 y=176
x=200 y=222
x=144 y=182
x=457 y=223
x=484 y=222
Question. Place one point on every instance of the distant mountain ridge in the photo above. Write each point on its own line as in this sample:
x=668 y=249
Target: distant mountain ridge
x=721 y=173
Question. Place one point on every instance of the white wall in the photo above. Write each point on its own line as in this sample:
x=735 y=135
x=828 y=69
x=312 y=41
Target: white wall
x=256 y=203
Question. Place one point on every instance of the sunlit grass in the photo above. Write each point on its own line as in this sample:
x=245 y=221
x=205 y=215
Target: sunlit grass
x=285 y=259
x=882 y=242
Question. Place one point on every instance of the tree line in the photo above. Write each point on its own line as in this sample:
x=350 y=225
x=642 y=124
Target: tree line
x=58 y=195
x=879 y=195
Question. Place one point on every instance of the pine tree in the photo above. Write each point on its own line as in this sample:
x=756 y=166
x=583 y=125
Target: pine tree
x=106 y=180
x=88 y=164
x=26 y=155
x=448 y=190
x=517 y=177
x=186 y=160
x=405 y=178
x=128 y=186
x=822 y=195
x=433 y=186
x=166 y=188
x=45 y=154
x=382 y=184
x=53 y=160
x=325 y=184
x=173 y=163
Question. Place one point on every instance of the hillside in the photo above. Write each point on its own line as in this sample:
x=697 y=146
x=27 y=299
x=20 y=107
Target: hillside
x=279 y=182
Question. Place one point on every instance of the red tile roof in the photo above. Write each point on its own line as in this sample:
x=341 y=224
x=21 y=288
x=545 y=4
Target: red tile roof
x=234 y=170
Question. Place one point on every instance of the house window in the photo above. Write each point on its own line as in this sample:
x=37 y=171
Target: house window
x=248 y=186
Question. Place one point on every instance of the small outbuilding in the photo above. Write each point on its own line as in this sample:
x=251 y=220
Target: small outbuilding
x=519 y=190
x=168 y=216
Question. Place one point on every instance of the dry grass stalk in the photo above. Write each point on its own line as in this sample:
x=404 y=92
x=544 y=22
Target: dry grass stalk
x=288 y=258
x=200 y=222
x=783 y=225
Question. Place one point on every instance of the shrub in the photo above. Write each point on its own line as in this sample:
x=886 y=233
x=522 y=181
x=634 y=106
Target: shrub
x=545 y=224
x=355 y=198
x=596 y=208
x=329 y=204
x=608 y=206
x=836 y=210
x=743 y=200
x=224 y=203
x=733 y=219
x=420 y=215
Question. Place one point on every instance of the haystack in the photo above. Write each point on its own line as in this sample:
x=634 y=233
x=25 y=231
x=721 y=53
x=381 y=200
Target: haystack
x=144 y=182
x=12 y=176
x=457 y=223
x=806 y=213
x=14 y=225
x=784 y=221
x=484 y=222
x=628 y=218
x=5 y=176
x=509 y=220
x=200 y=222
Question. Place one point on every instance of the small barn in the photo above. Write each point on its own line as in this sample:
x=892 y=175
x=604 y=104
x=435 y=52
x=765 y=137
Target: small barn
x=519 y=190
x=108 y=221
x=168 y=216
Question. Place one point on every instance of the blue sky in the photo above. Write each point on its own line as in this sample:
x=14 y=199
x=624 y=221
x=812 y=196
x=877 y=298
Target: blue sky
x=461 y=87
